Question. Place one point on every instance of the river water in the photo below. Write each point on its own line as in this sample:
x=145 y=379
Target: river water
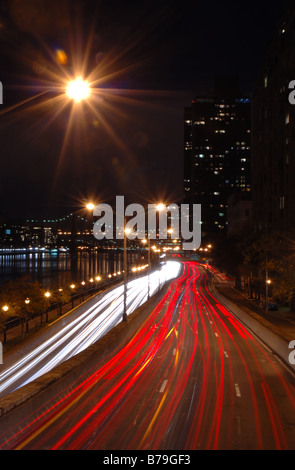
x=52 y=269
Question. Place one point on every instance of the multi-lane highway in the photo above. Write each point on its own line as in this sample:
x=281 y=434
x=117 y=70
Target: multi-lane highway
x=192 y=377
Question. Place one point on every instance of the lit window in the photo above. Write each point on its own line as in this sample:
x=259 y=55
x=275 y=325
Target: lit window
x=282 y=202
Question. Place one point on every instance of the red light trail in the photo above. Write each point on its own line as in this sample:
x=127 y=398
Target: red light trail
x=192 y=377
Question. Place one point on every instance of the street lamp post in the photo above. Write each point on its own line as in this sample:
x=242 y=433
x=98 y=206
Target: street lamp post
x=60 y=290
x=125 y=277
x=83 y=283
x=27 y=301
x=149 y=263
x=97 y=279
x=90 y=207
x=72 y=286
x=73 y=247
x=267 y=283
x=47 y=295
x=5 y=309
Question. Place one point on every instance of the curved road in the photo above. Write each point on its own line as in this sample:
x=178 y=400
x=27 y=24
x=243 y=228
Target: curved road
x=191 y=378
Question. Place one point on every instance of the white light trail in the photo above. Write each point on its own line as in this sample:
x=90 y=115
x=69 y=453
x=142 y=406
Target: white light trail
x=85 y=330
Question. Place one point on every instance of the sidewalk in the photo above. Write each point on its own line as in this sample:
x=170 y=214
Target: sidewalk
x=281 y=322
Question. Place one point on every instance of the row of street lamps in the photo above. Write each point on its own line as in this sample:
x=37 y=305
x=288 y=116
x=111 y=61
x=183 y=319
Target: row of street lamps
x=48 y=294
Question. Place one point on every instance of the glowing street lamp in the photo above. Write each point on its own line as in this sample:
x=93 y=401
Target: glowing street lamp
x=47 y=295
x=267 y=284
x=144 y=241
x=78 y=90
x=72 y=286
x=5 y=308
x=90 y=206
x=126 y=231
x=27 y=301
x=83 y=284
x=60 y=290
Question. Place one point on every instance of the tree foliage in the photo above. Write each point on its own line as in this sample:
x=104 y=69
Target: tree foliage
x=16 y=292
x=271 y=256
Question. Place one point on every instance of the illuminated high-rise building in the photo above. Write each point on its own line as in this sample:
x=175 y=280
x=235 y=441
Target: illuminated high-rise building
x=273 y=131
x=217 y=136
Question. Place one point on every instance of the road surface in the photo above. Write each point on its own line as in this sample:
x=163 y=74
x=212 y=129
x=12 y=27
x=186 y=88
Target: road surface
x=192 y=377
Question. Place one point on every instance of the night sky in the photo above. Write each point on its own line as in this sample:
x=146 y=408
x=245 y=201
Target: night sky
x=151 y=59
